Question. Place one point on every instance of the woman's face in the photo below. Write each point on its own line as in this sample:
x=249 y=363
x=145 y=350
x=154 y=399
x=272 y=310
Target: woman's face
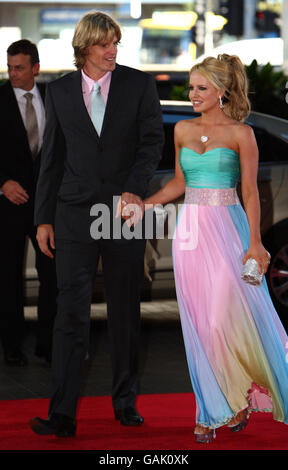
x=202 y=94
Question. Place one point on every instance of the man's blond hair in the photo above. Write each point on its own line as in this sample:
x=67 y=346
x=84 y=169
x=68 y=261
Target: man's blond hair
x=91 y=29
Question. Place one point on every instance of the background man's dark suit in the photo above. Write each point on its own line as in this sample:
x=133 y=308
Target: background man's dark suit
x=93 y=170
x=16 y=163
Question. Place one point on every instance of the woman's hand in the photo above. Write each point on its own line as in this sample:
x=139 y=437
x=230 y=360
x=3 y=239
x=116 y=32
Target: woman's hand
x=258 y=252
x=131 y=208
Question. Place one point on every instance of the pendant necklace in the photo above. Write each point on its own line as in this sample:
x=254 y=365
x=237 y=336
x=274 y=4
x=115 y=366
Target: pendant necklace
x=204 y=138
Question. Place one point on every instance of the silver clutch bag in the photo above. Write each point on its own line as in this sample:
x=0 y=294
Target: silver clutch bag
x=250 y=272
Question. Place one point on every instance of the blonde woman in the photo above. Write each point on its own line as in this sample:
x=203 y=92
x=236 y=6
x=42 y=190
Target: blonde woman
x=235 y=342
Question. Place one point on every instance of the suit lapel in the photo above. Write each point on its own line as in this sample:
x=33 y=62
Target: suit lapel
x=113 y=96
x=15 y=114
x=42 y=90
x=80 y=107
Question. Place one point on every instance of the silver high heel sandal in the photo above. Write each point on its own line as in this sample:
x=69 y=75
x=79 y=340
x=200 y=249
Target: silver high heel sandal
x=206 y=437
x=241 y=425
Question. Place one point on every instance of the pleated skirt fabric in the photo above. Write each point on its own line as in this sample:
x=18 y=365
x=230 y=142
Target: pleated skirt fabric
x=236 y=346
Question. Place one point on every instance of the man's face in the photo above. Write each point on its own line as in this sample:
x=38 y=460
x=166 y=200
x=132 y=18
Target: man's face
x=21 y=72
x=101 y=58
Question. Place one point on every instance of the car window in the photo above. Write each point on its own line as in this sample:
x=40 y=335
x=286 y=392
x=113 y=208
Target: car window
x=271 y=148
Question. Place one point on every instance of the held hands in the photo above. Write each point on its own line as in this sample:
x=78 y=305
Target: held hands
x=258 y=252
x=45 y=239
x=14 y=192
x=131 y=208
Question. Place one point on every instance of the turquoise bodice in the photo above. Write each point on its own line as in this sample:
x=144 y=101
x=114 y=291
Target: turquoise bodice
x=216 y=168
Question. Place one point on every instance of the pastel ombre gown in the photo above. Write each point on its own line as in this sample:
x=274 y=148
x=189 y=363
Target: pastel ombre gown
x=236 y=346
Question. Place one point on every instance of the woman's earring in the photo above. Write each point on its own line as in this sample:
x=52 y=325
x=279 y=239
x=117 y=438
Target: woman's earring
x=221 y=102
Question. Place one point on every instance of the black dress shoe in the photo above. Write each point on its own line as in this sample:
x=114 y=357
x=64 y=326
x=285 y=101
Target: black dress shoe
x=57 y=424
x=129 y=416
x=15 y=358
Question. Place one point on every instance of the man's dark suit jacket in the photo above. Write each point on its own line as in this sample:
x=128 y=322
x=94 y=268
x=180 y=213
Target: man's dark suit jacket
x=16 y=160
x=79 y=168
x=16 y=163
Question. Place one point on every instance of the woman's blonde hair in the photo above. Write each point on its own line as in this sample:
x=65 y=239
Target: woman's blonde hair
x=227 y=73
x=91 y=29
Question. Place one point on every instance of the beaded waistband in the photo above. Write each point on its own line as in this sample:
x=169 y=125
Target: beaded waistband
x=211 y=196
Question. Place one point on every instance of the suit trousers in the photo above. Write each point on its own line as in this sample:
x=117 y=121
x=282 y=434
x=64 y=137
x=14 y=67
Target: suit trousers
x=123 y=267
x=13 y=238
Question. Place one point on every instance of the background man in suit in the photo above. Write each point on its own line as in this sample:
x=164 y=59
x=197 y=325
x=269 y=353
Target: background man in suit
x=117 y=159
x=22 y=123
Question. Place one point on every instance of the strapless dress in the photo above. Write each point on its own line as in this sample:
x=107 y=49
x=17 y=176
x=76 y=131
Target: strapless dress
x=235 y=343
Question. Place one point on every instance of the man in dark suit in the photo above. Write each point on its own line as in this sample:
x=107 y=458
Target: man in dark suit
x=86 y=165
x=21 y=140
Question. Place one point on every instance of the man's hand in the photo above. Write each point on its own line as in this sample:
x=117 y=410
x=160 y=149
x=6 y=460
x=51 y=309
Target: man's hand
x=131 y=208
x=45 y=239
x=14 y=192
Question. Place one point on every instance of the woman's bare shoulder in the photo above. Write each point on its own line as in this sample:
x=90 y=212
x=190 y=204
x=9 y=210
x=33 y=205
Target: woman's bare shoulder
x=185 y=124
x=242 y=130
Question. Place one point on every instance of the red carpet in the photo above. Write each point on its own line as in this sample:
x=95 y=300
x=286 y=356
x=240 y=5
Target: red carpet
x=169 y=420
